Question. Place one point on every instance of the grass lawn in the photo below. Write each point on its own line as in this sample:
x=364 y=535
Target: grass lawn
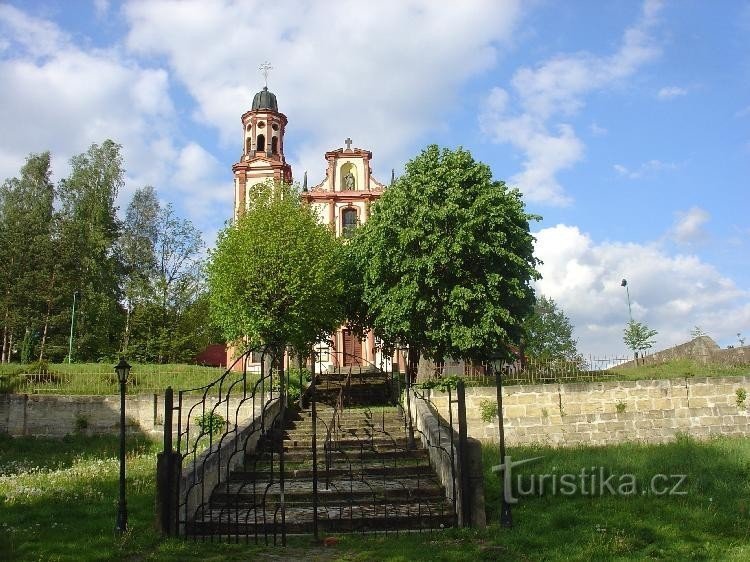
x=58 y=502
x=679 y=368
x=100 y=378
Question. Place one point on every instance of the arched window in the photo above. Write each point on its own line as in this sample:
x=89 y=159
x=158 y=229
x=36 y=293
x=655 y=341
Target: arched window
x=249 y=143
x=348 y=222
x=274 y=145
x=261 y=144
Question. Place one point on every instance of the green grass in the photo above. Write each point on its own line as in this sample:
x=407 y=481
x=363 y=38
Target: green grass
x=679 y=368
x=58 y=502
x=100 y=378
x=564 y=372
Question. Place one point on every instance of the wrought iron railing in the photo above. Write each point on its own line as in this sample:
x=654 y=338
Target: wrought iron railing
x=231 y=446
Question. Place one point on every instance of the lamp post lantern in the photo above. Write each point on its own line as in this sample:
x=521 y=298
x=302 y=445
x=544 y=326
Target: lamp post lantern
x=495 y=361
x=123 y=370
x=624 y=283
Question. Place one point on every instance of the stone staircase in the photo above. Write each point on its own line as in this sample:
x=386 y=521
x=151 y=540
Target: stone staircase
x=368 y=480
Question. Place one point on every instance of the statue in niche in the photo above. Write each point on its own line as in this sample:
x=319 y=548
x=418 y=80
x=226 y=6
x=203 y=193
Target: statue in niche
x=349 y=181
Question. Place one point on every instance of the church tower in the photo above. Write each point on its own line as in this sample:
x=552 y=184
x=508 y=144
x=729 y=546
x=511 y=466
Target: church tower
x=263 y=148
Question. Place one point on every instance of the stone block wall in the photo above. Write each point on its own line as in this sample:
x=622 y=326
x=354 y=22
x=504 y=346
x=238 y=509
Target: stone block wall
x=56 y=416
x=610 y=412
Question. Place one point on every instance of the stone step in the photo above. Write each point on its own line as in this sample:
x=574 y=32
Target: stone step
x=348 y=414
x=331 y=491
x=390 y=453
x=345 y=427
x=347 y=441
x=345 y=518
x=404 y=468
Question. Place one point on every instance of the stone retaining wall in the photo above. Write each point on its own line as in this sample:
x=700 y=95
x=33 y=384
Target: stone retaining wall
x=44 y=415
x=610 y=412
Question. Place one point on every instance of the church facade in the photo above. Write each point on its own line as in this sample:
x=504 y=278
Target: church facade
x=342 y=200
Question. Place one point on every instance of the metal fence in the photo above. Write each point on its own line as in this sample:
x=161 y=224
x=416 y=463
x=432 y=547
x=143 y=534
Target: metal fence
x=589 y=369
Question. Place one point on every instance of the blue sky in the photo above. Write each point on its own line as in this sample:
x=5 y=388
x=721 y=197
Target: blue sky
x=625 y=124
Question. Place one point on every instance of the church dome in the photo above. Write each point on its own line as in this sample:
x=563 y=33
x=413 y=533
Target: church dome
x=265 y=100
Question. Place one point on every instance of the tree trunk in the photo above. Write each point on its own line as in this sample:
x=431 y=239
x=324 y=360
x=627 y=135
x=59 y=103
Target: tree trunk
x=412 y=365
x=46 y=318
x=126 y=337
x=4 y=355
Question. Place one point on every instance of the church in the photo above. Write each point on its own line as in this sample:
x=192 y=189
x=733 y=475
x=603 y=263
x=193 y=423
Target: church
x=342 y=201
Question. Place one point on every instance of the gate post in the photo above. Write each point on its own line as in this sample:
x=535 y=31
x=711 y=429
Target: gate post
x=463 y=458
x=167 y=475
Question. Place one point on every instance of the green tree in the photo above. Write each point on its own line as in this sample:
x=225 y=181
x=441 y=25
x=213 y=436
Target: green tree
x=26 y=252
x=638 y=337
x=137 y=252
x=275 y=275
x=164 y=280
x=88 y=234
x=548 y=333
x=447 y=260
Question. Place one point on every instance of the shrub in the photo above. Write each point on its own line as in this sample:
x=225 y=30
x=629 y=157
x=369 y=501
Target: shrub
x=9 y=383
x=210 y=422
x=741 y=394
x=488 y=410
x=81 y=422
x=621 y=407
x=440 y=383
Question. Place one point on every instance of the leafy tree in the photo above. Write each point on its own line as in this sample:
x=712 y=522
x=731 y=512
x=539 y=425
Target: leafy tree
x=447 y=260
x=161 y=253
x=638 y=337
x=275 y=275
x=89 y=231
x=137 y=252
x=549 y=333
x=26 y=252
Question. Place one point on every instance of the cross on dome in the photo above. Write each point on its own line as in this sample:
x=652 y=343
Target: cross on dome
x=265 y=68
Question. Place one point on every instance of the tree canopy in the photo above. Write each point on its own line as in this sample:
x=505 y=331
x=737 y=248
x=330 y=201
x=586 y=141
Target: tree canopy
x=447 y=259
x=275 y=275
x=138 y=284
x=638 y=336
x=548 y=333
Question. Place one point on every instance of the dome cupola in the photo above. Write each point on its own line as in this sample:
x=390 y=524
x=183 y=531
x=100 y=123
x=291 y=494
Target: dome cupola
x=264 y=100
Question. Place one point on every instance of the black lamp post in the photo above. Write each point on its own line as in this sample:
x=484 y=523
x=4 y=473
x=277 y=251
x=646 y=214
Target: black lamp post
x=624 y=283
x=123 y=370
x=495 y=361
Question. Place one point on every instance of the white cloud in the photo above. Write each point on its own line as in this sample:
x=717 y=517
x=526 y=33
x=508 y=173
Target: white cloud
x=378 y=72
x=670 y=293
x=688 y=227
x=646 y=169
x=671 y=92
x=597 y=130
x=57 y=96
x=554 y=89
x=101 y=8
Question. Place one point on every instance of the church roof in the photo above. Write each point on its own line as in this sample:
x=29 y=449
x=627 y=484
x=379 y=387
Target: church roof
x=265 y=100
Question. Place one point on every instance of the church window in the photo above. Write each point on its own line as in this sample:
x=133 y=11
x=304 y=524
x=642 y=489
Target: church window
x=249 y=145
x=261 y=124
x=261 y=144
x=274 y=145
x=348 y=222
x=275 y=127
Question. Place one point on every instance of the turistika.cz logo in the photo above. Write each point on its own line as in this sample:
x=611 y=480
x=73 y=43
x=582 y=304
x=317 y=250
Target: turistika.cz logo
x=590 y=481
